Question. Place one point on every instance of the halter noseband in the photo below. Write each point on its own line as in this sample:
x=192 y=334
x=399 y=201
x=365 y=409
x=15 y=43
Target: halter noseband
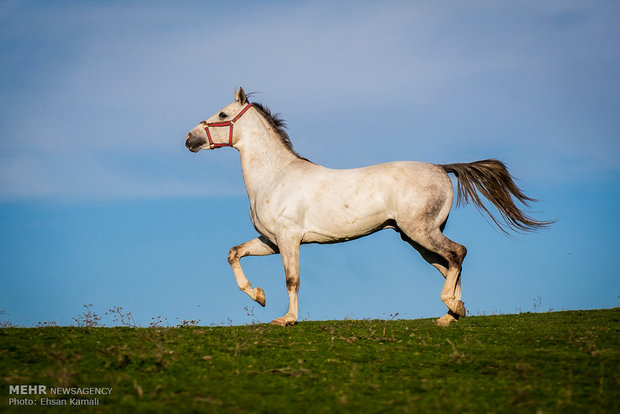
x=230 y=123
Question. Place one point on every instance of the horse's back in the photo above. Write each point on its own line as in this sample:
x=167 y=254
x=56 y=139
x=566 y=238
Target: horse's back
x=393 y=179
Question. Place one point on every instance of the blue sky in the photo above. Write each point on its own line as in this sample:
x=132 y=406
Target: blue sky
x=101 y=203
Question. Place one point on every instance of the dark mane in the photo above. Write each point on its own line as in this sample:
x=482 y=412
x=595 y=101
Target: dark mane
x=278 y=125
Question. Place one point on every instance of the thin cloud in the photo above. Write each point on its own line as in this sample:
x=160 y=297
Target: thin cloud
x=447 y=84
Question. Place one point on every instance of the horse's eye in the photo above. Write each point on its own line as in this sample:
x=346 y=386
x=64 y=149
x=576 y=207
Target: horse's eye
x=222 y=115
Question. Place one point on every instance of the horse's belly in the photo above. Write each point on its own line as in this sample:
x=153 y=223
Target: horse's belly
x=329 y=236
x=347 y=222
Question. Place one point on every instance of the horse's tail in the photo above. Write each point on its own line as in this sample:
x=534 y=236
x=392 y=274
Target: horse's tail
x=492 y=180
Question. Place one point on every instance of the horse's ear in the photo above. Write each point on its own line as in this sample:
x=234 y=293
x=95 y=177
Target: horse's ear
x=240 y=96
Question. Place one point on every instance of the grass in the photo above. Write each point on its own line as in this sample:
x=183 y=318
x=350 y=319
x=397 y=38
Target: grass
x=530 y=362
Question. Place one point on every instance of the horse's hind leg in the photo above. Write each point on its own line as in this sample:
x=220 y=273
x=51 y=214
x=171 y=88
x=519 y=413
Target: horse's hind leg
x=256 y=247
x=437 y=261
x=447 y=256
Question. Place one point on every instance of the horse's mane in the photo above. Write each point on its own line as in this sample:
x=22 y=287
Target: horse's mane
x=279 y=125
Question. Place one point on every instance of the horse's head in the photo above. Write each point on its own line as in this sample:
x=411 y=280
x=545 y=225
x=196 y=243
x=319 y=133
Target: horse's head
x=217 y=131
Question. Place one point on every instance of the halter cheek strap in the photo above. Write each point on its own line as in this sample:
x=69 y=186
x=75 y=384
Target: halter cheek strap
x=230 y=123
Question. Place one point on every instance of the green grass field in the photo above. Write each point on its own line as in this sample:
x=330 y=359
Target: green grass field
x=530 y=362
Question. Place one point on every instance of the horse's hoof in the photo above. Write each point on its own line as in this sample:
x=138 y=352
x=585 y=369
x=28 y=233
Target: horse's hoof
x=282 y=322
x=445 y=320
x=260 y=297
x=278 y=322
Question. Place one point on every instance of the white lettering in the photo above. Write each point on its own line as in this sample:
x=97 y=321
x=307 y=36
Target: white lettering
x=80 y=391
x=84 y=401
x=27 y=389
x=21 y=401
x=53 y=401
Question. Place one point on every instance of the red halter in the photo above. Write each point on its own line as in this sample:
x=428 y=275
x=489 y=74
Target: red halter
x=230 y=123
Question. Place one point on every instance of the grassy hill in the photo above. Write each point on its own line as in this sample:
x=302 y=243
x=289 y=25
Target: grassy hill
x=530 y=362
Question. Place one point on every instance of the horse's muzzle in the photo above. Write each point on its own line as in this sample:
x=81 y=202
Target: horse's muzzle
x=194 y=143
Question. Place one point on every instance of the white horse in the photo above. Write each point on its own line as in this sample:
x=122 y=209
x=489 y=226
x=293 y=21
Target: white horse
x=294 y=201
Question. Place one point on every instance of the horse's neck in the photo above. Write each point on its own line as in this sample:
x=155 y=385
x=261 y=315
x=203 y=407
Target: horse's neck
x=263 y=158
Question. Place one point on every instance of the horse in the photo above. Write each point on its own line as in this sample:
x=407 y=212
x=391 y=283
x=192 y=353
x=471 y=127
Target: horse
x=294 y=201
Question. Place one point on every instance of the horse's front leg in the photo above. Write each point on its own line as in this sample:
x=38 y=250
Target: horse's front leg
x=289 y=251
x=256 y=247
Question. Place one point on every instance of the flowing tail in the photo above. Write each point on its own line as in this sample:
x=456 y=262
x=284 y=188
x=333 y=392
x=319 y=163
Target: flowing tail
x=492 y=180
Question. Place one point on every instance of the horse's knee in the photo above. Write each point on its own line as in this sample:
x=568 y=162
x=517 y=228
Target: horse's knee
x=292 y=283
x=234 y=255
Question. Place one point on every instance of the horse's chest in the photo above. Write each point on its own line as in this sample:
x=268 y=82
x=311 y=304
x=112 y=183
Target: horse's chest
x=263 y=220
